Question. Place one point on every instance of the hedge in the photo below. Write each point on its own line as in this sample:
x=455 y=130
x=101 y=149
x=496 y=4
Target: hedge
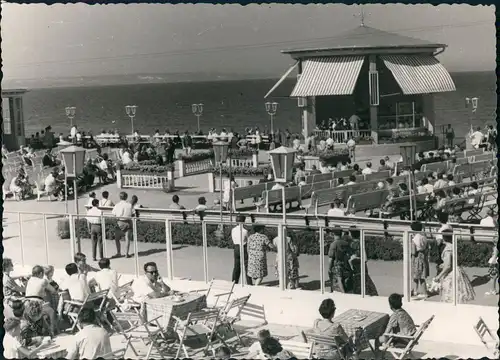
x=330 y=157
x=377 y=247
x=209 y=154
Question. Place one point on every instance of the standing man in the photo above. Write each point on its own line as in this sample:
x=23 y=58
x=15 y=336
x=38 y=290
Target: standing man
x=187 y=143
x=477 y=138
x=124 y=212
x=450 y=136
x=94 y=220
x=239 y=235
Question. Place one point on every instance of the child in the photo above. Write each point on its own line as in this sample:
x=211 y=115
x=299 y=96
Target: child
x=400 y=322
x=11 y=344
x=493 y=270
x=255 y=350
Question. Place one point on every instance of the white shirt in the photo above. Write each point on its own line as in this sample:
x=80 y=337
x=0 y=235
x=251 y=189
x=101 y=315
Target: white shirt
x=106 y=202
x=296 y=144
x=329 y=142
x=77 y=287
x=93 y=213
x=78 y=136
x=367 y=171
x=73 y=131
x=126 y=159
x=103 y=165
x=11 y=347
x=142 y=287
x=428 y=188
x=107 y=279
x=277 y=186
x=90 y=201
x=36 y=287
x=123 y=210
x=488 y=221
x=351 y=143
x=239 y=233
x=351 y=183
x=335 y=212
x=50 y=183
x=477 y=138
x=91 y=342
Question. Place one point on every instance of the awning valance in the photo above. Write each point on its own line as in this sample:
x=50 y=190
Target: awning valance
x=328 y=76
x=419 y=74
x=285 y=75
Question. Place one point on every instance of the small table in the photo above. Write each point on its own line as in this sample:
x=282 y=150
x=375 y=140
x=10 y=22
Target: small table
x=166 y=307
x=372 y=323
x=58 y=348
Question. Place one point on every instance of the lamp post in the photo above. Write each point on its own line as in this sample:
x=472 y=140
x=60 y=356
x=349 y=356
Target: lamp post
x=282 y=160
x=131 y=111
x=221 y=150
x=74 y=161
x=197 y=111
x=408 y=160
x=70 y=113
x=271 y=108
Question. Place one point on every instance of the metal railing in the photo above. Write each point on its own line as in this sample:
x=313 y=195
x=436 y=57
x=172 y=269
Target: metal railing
x=342 y=136
x=75 y=244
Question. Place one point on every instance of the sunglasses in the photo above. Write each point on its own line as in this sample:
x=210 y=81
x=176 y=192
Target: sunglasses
x=155 y=272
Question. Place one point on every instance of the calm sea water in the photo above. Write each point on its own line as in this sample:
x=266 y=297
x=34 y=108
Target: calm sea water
x=230 y=104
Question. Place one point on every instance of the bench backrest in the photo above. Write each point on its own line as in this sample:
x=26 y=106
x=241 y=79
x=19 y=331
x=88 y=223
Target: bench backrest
x=307 y=190
x=378 y=175
x=482 y=157
x=366 y=201
x=276 y=196
x=247 y=192
x=475 y=152
x=469 y=170
x=319 y=177
x=436 y=167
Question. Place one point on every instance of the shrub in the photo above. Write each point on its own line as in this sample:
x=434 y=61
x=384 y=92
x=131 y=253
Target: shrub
x=242 y=170
x=134 y=168
x=330 y=157
x=209 y=154
x=377 y=247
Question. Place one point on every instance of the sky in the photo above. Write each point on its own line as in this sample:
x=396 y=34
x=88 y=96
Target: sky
x=78 y=40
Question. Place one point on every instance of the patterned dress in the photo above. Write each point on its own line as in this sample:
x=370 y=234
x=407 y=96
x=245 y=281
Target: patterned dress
x=419 y=257
x=30 y=330
x=292 y=262
x=257 y=255
x=465 y=291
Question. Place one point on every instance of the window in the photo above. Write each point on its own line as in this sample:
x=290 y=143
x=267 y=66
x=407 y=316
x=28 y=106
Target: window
x=7 y=130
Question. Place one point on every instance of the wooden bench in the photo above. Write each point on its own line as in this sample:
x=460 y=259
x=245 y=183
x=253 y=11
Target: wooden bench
x=380 y=175
x=366 y=201
x=483 y=157
x=278 y=196
x=250 y=192
x=436 y=167
x=401 y=205
x=475 y=152
x=319 y=177
x=473 y=170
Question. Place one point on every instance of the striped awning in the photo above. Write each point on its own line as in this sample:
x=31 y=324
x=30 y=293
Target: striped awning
x=419 y=74
x=328 y=76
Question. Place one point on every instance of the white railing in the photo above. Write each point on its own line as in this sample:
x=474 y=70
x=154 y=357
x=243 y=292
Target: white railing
x=17 y=249
x=194 y=168
x=341 y=136
x=242 y=181
x=142 y=181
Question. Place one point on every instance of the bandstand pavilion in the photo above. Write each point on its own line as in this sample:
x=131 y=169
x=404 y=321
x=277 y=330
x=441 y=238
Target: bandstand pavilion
x=384 y=78
x=13 y=118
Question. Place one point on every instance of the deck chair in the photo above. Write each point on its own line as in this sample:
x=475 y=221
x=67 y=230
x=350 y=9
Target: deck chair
x=123 y=298
x=228 y=321
x=117 y=354
x=300 y=350
x=487 y=337
x=76 y=307
x=221 y=290
x=149 y=332
x=198 y=326
x=398 y=352
x=322 y=340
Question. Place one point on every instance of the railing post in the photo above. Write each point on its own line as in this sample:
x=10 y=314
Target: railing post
x=282 y=257
x=169 y=253
x=362 y=254
x=322 y=259
x=454 y=269
x=21 y=241
x=72 y=236
x=136 y=247
x=406 y=267
x=243 y=266
x=46 y=238
x=103 y=236
x=205 y=250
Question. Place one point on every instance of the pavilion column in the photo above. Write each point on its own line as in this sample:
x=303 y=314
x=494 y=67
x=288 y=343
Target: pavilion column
x=373 y=109
x=309 y=116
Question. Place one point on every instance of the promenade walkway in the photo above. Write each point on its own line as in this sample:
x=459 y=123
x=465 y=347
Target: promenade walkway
x=188 y=260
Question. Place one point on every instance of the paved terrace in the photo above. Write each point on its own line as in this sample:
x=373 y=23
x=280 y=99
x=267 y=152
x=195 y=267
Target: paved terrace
x=188 y=260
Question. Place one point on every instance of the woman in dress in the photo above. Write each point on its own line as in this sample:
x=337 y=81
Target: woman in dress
x=34 y=324
x=292 y=261
x=465 y=291
x=355 y=262
x=226 y=196
x=258 y=243
x=419 y=261
x=11 y=290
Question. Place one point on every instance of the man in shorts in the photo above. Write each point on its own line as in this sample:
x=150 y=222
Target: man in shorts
x=123 y=212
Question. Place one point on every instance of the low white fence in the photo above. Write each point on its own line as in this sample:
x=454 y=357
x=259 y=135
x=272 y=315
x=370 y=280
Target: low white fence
x=146 y=181
x=195 y=167
x=341 y=136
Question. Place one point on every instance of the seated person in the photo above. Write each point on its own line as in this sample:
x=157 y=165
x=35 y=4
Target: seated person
x=441 y=181
x=52 y=185
x=13 y=348
x=441 y=200
x=272 y=349
x=202 y=205
x=456 y=193
x=474 y=189
x=325 y=326
x=223 y=353
x=34 y=324
x=150 y=285
x=302 y=181
x=48 y=159
x=335 y=209
x=107 y=278
x=352 y=179
x=400 y=322
x=255 y=350
x=451 y=182
x=76 y=284
x=11 y=290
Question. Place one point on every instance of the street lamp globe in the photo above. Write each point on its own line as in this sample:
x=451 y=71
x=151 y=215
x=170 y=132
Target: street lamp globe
x=282 y=160
x=74 y=160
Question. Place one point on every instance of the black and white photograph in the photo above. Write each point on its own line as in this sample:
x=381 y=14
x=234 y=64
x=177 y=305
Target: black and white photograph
x=259 y=181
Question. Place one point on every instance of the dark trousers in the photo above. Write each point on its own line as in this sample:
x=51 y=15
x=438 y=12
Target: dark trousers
x=237 y=264
x=96 y=236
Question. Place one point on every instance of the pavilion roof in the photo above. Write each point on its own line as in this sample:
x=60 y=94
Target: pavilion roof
x=365 y=37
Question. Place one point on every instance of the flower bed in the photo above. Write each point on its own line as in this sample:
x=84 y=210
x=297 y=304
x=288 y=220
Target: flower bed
x=377 y=247
x=330 y=157
x=209 y=154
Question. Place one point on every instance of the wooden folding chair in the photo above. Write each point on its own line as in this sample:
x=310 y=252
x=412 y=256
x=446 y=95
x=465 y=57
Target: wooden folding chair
x=201 y=325
x=398 y=352
x=227 y=320
x=75 y=307
x=326 y=341
x=487 y=337
x=142 y=330
x=123 y=298
x=300 y=350
x=221 y=290
x=117 y=354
